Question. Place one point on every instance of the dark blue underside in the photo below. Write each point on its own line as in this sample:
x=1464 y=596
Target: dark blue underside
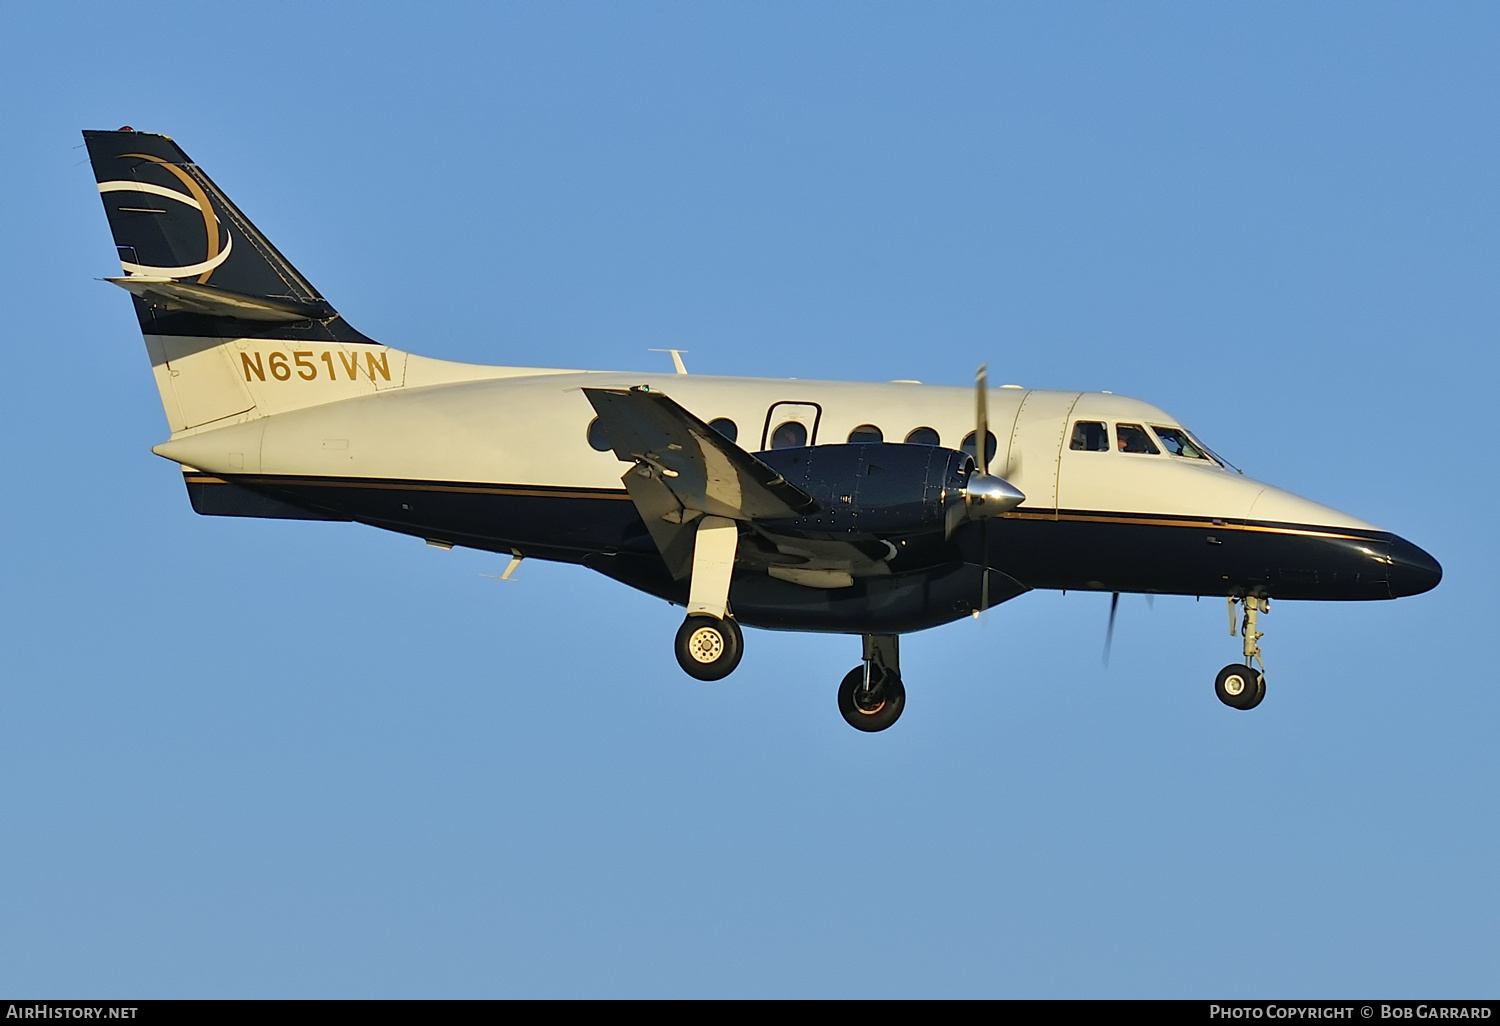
x=932 y=582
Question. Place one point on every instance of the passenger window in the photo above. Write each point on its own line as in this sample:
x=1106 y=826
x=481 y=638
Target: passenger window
x=1177 y=443
x=1090 y=436
x=790 y=435
x=866 y=433
x=989 y=446
x=725 y=427
x=598 y=439
x=1133 y=438
x=924 y=436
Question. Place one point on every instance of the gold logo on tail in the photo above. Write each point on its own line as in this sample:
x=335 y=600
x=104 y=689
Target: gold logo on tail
x=196 y=198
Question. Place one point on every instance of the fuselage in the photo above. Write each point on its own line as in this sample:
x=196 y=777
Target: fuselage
x=859 y=508
x=506 y=464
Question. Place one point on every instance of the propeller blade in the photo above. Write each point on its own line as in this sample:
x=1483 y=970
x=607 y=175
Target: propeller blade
x=982 y=417
x=1109 y=633
x=984 y=572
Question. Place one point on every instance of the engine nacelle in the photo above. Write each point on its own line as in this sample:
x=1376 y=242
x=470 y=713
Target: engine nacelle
x=886 y=489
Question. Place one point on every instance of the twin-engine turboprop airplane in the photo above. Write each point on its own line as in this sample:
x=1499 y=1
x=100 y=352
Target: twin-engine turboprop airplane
x=826 y=506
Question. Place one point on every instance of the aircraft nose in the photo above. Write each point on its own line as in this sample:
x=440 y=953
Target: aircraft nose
x=1412 y=570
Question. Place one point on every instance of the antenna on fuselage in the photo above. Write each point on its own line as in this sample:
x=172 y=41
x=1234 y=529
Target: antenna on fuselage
x=1109 y=632
x=677 y=363
x=515 y=561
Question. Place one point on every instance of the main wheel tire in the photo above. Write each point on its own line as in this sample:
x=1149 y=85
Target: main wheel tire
x=1240 y=687
x=709 y=648
x=878 y=708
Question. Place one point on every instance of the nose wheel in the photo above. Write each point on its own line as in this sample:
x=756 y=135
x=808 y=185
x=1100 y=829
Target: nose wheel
x=873 y=706
x=1240 y=685
x=871 y=696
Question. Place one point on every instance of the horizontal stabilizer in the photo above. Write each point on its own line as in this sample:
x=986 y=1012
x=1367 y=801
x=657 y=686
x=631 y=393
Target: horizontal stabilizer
x=211 y=301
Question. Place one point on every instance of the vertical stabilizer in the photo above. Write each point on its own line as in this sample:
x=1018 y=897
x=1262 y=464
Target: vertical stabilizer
x=234 y=331
x=195 y=263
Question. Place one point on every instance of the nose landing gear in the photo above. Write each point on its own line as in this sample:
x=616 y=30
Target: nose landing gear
x=1240 y=685
x=871 y=696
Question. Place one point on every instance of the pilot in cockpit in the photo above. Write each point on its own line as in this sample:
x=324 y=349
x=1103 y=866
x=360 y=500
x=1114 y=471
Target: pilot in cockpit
x=1133 y=438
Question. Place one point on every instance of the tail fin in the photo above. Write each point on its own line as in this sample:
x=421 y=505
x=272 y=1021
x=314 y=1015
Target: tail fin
x=233 y=330
x=193 y=261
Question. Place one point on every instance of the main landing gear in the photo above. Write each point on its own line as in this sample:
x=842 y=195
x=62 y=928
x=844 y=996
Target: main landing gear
x=709 y=647
x=709 y=643
x=1240 y=685
x=871 y=697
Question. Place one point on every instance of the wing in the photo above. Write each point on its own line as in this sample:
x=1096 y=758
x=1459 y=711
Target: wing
x=704 y=471
x=682 y=469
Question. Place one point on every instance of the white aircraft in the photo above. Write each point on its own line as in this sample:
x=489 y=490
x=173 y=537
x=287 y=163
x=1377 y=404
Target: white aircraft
x=839 y=507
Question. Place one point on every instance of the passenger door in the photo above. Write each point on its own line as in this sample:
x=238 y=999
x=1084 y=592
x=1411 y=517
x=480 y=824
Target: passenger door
x=782 y=419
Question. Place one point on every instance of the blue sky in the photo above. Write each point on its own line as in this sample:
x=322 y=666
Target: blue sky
x=247 y=758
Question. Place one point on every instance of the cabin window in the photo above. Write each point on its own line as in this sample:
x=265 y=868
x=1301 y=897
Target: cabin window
x=1090 y=436
x=597 y=436
x=726 y=427
x=989 y=446
x=924 y=436
x=789 y=435
x=867 y=433
x=1133 y=438
x=1177 y=442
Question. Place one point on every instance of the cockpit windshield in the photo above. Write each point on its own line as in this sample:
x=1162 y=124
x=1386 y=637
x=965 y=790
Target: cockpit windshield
x=1182 y=442
x=1178 y=443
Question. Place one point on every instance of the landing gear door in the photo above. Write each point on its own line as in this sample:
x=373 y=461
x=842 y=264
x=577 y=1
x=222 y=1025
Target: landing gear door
x=790 y=425
x=1036 y=443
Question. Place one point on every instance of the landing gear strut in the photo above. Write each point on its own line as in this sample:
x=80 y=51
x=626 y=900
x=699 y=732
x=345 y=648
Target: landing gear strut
x=871 y=696
x=709 y=643
x=1241 y=686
